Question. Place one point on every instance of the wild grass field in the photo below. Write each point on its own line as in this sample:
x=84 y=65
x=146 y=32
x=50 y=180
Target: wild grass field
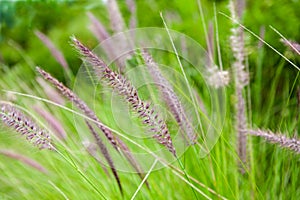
x=149 y=99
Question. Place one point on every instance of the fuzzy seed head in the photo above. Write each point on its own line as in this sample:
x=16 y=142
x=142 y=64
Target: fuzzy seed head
x=124 y=88
x=12 y=117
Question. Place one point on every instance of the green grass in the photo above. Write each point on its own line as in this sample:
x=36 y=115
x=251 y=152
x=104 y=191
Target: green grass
x=73 y=174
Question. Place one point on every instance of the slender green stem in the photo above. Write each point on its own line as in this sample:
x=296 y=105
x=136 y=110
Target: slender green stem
x=73 y=164
x=187 y=177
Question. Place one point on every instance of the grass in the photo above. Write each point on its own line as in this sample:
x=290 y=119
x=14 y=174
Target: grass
x=271 y=172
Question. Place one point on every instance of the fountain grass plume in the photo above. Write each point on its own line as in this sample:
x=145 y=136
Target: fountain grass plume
x=131 y=5
x=105 y=153
x=97 y=28
x=81 y=105
x=117 y=143
x=92 y=150
x=279 y=139
x=24 y=159
x=170 y=98
x=241 y=78
x=57 y=54
x=116 y=19
x=54 y=123
x=23 y=124
x=124 y=88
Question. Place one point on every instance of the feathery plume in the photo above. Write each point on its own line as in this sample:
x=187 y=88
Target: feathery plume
x=241 y=77
x=240 y=7
x=121 y=85
x=216 y=77
x=57 y=54
x=91 y=148
x=170 y=97
x=117 y=143
x=101 y=34
x=262 y=32
x=132 y=8
x=118 y=25
x=237 y=46
x=285 y=142
x=116 y=19
x=51 y=93
x=81 y=105
x=54 y=124
x=97 y=28
x=25 y=160
x=24 y=125
x=293 y=45
x=105 y=153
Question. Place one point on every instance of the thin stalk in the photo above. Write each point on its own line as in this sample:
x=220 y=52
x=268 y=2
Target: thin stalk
x=186 y=176
x=144 y=180
x=73 y=164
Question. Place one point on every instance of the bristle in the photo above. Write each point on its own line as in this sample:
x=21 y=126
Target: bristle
x=170 y=98
x=25 y=160
x=131 y=5
x=292 y=45
x=15 y=118
x=238 y=49
x=51 y=93
x=216 y=77
x=54 y=124
x=262 y=32
x=57 y=54
x=116 y=19
x=278 y=138
x=110 y=50
x=92 y=149
x=241 y=78
x=97 y=28
x=105 y=153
